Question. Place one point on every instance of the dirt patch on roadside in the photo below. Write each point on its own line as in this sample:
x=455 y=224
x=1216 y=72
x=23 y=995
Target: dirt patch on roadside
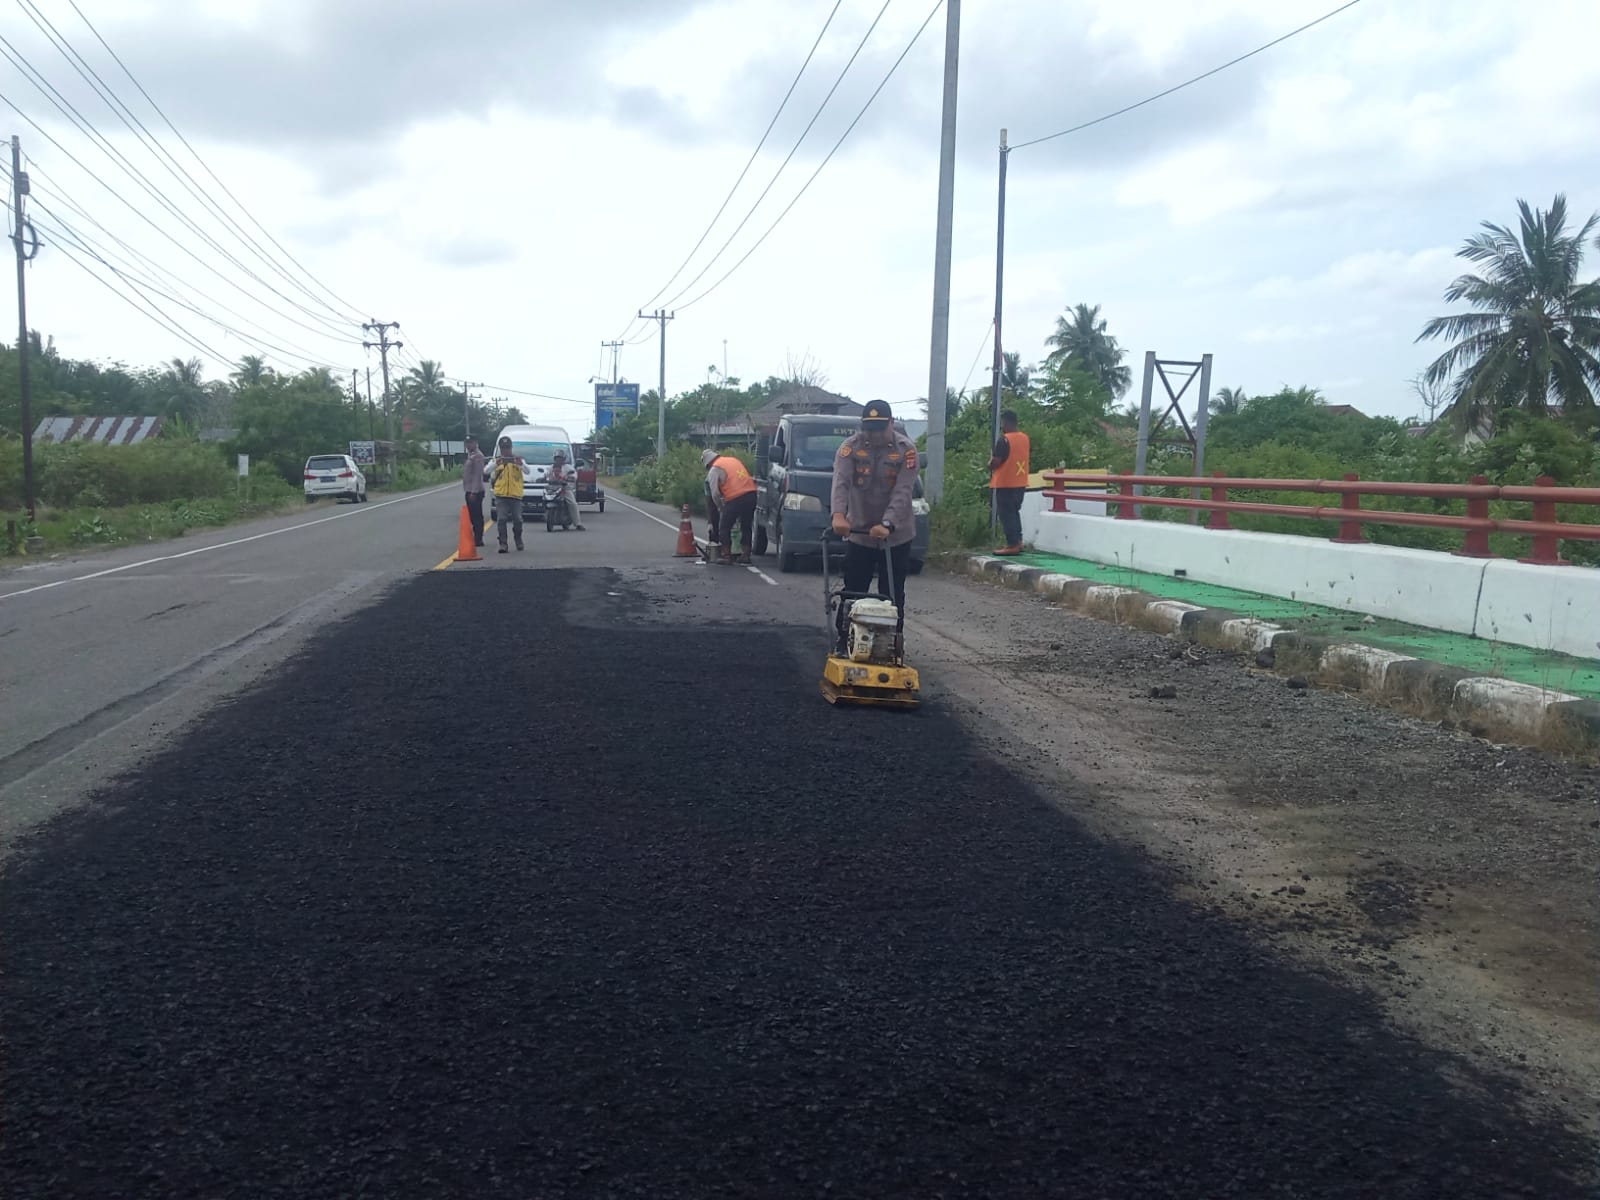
x=1454 y=878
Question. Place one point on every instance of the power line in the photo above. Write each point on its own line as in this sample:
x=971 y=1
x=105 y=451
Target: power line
x=147 y=220
x=750 y=162
x=494 y=387
x=170 y=278
x=875 y=92
x=131 y=121
x=64 y=233
x=352 y=313
x=87 y=127
x=1179 y=87
x=806 y=132
x=987 y=330
x=157 y=316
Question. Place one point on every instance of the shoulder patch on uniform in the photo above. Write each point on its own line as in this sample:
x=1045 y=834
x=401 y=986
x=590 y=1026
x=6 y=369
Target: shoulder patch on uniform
x=844 y=449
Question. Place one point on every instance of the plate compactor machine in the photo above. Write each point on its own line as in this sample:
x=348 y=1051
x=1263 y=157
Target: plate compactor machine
x=866 y=652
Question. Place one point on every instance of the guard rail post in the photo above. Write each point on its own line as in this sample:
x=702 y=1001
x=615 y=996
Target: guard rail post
x=1350 y=530
x=1475 y=543
x=1546 y=546
x=1125 y=508
x=1217 y=518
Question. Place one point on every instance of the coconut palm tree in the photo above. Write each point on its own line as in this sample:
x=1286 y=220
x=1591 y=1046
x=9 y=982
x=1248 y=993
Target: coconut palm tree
x=1081 y=336
x=252 y=369
x=1533 y=339
x=1016 y=378
x=1227 y=402
x=184 y=384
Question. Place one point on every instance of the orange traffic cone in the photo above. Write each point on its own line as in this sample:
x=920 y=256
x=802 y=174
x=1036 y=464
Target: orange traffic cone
x=686 y=547
x=466 y=543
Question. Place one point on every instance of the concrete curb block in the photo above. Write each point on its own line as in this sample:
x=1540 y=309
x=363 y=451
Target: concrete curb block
x=1483 y=705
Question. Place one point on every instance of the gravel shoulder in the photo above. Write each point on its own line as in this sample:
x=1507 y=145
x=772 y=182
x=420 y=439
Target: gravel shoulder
x=593 y=950
x=1454 y=881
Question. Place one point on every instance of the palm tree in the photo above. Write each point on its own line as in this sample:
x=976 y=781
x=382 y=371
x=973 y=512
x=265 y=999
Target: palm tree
x=1083 y=340
x=184 y=384
x=1227 y=402
x=1533 y=340
x=1014 y=377
x=252 y=369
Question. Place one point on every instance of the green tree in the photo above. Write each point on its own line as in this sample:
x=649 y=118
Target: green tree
x=1228 y=402
x=1014 y=377
x=251 y=370
x=184 y=384
x=1081 y=336
x=1532 y=339
x=284 y=421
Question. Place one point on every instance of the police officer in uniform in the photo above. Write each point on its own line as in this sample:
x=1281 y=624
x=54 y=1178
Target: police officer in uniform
x=873 y=477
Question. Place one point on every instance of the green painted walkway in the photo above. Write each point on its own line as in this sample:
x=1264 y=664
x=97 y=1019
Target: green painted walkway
x=1563 y=673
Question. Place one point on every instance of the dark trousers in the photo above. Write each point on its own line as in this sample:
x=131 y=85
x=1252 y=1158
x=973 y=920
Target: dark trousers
x=475 y=512
x=1009 y=503
x=740 y=511
x=862 y=563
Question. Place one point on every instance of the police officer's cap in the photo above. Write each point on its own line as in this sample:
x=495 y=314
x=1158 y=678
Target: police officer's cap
x=876 y=415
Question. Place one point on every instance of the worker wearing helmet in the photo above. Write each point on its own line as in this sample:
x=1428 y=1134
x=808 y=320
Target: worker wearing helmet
x=874 y=475
x=733 y=502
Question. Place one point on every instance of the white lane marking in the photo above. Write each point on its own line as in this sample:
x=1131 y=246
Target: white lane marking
x=704 y=546
x=354 y=511
x=754 y=570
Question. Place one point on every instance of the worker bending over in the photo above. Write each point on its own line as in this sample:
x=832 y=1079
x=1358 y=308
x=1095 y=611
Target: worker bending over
x=733 y=493
x=874 y=475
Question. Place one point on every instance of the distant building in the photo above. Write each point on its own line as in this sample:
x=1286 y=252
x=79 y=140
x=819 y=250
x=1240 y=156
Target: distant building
x=106 y=431
x=1347 y=410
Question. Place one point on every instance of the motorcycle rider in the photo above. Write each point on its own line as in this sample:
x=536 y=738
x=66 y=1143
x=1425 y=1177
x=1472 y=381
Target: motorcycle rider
x=569 y=481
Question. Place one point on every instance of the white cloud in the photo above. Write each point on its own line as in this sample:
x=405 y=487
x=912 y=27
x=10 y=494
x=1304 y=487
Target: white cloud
x=1296 y=210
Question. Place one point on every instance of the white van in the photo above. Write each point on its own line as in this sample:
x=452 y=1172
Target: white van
x=537 y=446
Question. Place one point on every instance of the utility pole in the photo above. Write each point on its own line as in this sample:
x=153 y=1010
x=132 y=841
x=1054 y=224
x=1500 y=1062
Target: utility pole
x=999 y=293
x=466 y=408
x=939 y=356
x=27 y=244
x=662 y=316
x=616 y=352
x=384 y=345
x=372 y=420
x=355 y=397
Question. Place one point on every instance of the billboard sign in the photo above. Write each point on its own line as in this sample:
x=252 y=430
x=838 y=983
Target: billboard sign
x=365 y=453
x=614 y=401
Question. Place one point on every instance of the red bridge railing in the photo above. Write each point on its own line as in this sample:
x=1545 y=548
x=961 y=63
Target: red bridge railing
x=1546 y=530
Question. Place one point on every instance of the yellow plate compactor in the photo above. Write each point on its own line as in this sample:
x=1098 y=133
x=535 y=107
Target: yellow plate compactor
x=866 y=636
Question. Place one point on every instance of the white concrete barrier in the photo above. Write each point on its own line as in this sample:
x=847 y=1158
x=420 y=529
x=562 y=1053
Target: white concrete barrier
x=1548 y=608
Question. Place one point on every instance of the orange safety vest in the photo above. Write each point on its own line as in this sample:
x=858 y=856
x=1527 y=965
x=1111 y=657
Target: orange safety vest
x=736 y=479
x=1013 y=473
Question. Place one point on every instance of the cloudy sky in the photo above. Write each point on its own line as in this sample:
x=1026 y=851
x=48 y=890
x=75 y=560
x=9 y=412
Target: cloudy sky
x=513 y=179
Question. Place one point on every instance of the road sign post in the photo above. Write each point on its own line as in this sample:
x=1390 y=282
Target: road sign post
x=613 y=402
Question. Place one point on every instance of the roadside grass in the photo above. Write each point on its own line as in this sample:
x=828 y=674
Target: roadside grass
x=83 y=528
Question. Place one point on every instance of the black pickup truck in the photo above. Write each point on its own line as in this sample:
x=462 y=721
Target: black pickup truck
x=794 y=478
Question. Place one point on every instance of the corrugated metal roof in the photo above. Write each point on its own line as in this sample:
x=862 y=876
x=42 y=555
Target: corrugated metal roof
x=108 y=431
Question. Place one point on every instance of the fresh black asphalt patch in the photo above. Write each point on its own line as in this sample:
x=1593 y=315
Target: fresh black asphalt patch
x=476 y=900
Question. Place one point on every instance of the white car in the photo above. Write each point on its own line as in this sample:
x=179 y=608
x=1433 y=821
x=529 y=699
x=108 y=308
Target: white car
x=334 y=475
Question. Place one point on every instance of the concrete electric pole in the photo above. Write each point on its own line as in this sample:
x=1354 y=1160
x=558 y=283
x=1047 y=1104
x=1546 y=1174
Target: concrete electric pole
x=939 y=356
x=383 y=346
x=662 y=316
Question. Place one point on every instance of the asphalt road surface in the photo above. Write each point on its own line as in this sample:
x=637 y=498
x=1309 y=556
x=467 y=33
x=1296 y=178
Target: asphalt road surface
x=333 y=874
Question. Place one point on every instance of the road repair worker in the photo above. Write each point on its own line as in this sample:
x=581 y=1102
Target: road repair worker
x=1008 y=481
x=874 y=475
x=733 y=493
x=558 y=472
x=472 y=487
x=507 y=492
